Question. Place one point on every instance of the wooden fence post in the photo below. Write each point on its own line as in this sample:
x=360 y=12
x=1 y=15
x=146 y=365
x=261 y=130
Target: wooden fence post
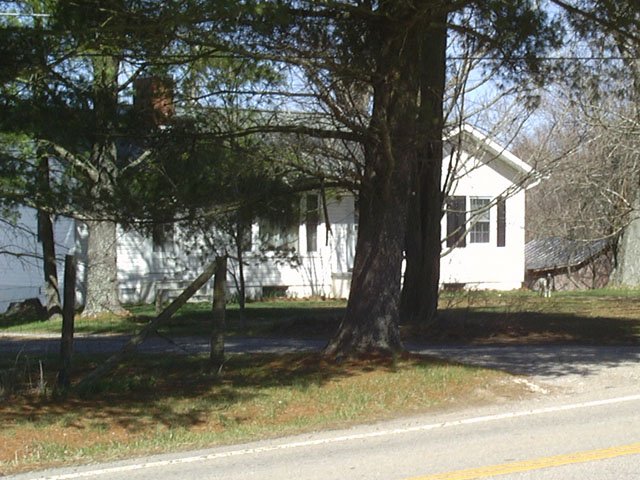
x=68 y=312
x=108 y=365
x=218 y=315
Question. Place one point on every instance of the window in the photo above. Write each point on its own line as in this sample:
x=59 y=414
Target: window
x=244 y=235
x=162 y=237
x=480 y=220
x=456 y=219
x=279 y=230
x=312 y=218
x=502 y=221
x=275 y=235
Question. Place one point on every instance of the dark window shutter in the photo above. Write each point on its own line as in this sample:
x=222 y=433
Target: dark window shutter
x=311 y=222
x=456 y=220
x=502 y=221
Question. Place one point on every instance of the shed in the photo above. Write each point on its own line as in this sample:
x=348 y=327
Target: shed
x=572 y=264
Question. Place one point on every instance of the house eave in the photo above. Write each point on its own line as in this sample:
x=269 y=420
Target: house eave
x=521 y=172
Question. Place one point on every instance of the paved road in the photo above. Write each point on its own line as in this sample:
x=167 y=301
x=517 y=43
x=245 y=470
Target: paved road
x=594 y=439
x=46 y=344
x=565 y=364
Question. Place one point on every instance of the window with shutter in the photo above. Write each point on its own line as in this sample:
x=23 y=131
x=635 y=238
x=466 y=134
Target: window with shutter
x=480 y=221
x=456 y=209
x=502 y=222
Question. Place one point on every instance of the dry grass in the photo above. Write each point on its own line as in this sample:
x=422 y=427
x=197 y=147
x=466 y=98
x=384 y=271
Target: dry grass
x=156 y=404
x=601 y=317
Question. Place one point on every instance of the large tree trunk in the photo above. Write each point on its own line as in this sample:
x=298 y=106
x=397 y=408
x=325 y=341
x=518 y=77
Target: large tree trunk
x=51 y=287
x=45 y=231
x=370 y=325
x=422 y=274
x=45 y=224
x=242 y=288
x=216 y=357
x=627 y=271
x=371 y=322
x=102 y=272
x=102 y=267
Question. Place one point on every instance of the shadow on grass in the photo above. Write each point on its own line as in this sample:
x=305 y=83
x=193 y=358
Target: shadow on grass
x=526 y=327
x=300 y=322
x=152 y=390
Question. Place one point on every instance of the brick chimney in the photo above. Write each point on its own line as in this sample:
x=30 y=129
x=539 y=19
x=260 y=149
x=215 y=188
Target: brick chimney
x=153 y=100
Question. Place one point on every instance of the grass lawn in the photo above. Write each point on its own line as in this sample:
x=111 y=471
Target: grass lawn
x=270 y=318
x=156 y=404
x=594 y=317
x=587 y=317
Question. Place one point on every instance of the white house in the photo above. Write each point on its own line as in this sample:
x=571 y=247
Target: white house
x=483 y=236
x=304 y=262
x=484 y=220
x=21 y=266
x=483 y=239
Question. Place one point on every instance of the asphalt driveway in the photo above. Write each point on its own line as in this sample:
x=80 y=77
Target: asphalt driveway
x=544 y=363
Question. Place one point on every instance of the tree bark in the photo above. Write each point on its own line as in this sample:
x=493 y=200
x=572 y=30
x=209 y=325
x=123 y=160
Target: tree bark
x=370 y=325
x=627 y=271
x=218 y=315
x=102 y=271
x=45 y=232
x=66 y=343
x=52 y=289
x=242 y=288
x=102 y=267
x=419 y=300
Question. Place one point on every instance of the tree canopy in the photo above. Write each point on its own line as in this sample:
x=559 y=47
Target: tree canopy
x=373 y=75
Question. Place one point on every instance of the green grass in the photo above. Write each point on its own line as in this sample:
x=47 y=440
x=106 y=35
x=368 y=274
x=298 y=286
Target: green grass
x=156 y=404
x=610 y=316
x=314 y=318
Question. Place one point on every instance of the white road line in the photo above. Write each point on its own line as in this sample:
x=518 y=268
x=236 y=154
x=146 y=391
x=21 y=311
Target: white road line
x=340 y=439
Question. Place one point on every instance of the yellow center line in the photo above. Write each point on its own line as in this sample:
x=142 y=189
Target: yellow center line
x=535 y=464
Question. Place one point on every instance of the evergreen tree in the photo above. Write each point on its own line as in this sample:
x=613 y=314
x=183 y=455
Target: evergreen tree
x=88 y=56
x=378 y=69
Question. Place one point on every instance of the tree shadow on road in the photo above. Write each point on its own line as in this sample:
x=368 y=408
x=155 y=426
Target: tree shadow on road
x=552 y=361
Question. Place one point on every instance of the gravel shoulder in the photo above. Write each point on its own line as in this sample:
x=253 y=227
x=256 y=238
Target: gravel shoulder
x=557 y=370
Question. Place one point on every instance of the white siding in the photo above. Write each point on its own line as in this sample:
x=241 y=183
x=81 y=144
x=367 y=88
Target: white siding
x=22 y=277
x=324 y=272
x=485 y=265
x=310 y=273
x=327 y=271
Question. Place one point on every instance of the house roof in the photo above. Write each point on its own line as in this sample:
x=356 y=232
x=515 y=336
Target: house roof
x=495 y=155
x=555 y=252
